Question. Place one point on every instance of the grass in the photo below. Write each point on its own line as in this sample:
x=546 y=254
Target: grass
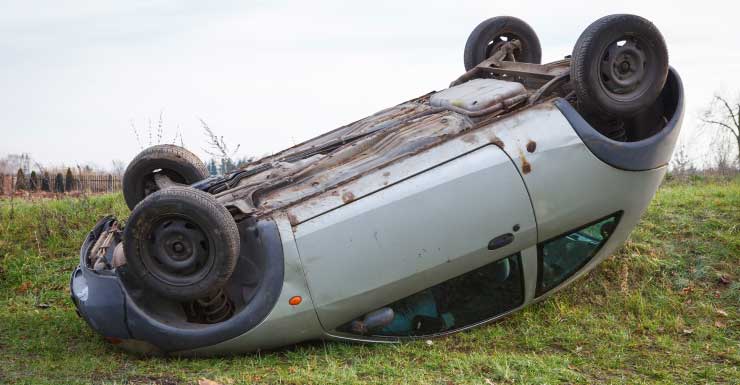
x=664 y=309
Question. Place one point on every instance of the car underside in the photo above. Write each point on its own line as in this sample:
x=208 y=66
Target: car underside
x=442 y=213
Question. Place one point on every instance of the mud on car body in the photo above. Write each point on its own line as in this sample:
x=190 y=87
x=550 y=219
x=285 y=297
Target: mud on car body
x=442 y=213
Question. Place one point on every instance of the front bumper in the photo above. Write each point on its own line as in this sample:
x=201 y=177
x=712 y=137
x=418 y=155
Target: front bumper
x=99 y=296
x=140 y=321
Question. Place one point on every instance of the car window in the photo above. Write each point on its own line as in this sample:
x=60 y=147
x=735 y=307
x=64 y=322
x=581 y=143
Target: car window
x=470 y=298
x=561 y=257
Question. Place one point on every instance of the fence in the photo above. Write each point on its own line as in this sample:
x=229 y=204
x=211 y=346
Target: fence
x=90 y=183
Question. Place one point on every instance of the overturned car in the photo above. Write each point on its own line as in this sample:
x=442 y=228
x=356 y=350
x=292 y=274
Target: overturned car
x=442 y=213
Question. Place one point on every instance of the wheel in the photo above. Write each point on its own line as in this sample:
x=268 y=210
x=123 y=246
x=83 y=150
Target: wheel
x=179 y=164
x=489 y=35
x=181 y=243
x=619 y=66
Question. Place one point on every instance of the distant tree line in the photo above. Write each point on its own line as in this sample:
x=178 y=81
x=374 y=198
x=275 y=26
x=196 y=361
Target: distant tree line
x=225 y=165
x=34 y=182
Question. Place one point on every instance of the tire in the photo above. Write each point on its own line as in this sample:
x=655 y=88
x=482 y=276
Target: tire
x=180 y=243
x=483 y=40
x=619 y=66
x=179 y=164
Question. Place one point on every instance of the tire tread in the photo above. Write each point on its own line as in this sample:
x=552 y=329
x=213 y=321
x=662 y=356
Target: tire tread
x=152 y=155
x=485 y=29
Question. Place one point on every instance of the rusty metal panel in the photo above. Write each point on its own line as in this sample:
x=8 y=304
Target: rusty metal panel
x=477 y=94
x=373 y=153
x=395 y=172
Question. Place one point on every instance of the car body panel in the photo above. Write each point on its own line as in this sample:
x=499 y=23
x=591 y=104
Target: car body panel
x=559 y=173
x=558 y=159
x=396 y=203
x=569 y=186
x=414 y=234
x=285 y=324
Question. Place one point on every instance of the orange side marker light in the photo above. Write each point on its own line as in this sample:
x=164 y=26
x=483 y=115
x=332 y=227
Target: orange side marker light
x=295 y=301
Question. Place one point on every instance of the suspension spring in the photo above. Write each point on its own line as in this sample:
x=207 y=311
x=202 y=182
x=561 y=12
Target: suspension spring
x=212 y=309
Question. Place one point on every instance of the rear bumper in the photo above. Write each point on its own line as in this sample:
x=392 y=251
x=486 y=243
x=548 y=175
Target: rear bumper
x=647 y=154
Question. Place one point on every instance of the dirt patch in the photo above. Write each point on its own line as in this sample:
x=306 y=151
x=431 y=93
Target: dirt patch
x=348 y=197
x=472 y=139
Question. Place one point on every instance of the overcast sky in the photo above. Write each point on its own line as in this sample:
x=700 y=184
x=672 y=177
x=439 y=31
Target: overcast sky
x=268 y=74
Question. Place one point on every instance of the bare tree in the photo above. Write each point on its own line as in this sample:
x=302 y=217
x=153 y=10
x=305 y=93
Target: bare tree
x=725 y=116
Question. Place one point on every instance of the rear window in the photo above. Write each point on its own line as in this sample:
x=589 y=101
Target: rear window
x=563 y=256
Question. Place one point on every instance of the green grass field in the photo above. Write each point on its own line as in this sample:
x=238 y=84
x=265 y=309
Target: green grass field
x=664 y=309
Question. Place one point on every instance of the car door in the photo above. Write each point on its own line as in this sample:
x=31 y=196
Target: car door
x=462 y=215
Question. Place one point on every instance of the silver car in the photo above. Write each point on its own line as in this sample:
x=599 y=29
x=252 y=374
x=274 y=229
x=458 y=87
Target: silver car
x=439 y=214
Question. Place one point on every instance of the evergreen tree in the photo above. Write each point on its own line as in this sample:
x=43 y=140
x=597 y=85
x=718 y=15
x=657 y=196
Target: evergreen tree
x=20 y=182
x=69 y=180
x=212 y=168
x=46 y=182
x=34 y=181
x=227 y=166
x=59 y=183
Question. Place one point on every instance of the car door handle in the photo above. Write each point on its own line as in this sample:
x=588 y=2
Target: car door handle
x=500 y=241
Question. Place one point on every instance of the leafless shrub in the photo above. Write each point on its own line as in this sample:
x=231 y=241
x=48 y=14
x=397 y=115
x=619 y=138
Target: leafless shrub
x=118 y=167
x=724 y=163
x=10 y=163
x=681 y=164
x=217 y=146
x=154 y=133
x=178 y=135
x=219 y=149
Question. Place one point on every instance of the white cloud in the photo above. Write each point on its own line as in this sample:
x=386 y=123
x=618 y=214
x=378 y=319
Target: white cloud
x=268 y=74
